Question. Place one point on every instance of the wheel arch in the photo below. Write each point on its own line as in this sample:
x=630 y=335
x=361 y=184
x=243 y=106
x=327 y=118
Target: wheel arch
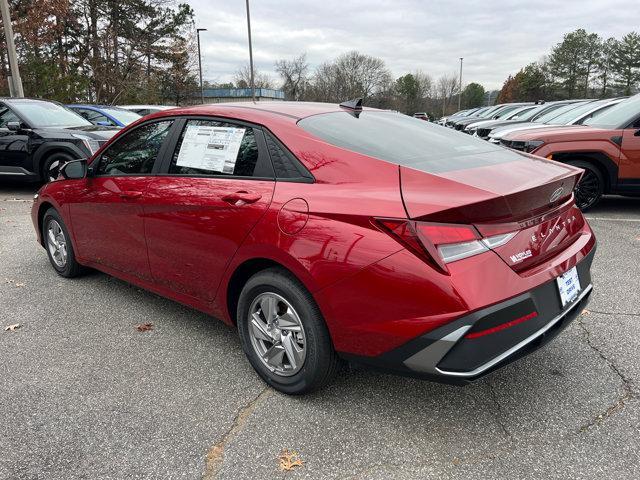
x=605 y=165
x=243 y=270
x=42 y=209
x=53 y=148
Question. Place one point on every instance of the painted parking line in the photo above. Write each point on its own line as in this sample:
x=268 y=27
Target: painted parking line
x=607 y=219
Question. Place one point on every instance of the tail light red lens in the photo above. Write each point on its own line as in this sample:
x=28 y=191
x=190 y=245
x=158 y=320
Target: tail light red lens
x=441 y=243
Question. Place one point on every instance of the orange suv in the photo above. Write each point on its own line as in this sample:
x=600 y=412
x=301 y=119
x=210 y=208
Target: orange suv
x=607 y=147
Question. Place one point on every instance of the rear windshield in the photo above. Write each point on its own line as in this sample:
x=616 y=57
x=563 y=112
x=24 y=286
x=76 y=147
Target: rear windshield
x=403 y=140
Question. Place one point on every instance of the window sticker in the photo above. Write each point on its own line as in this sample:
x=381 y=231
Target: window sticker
x=210 y=148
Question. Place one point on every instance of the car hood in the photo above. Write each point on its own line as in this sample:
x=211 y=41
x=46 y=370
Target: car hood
x=96 y=132
x=563 y=133
x=497 y=123
x=504 y=130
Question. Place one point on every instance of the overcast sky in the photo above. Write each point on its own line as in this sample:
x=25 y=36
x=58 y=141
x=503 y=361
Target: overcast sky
x=495 y=38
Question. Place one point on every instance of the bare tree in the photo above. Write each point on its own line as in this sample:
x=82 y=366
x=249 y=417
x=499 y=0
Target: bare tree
x=446 y=88
x=349 y=76
x=294 y=74
x=242 y=78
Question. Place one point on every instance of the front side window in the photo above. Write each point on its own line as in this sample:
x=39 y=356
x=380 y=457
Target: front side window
x=7 y=116
x=208 y=147
x=94 y=117
x=136 y=152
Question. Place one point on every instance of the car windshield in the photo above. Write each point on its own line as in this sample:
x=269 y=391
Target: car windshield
x=568 y=117
x=618 y=116
x=123 y=116
x=502 y=113
x=490 y=111
x=547 y=117
x=39 y=113
x=519 y=112
x=403 y=140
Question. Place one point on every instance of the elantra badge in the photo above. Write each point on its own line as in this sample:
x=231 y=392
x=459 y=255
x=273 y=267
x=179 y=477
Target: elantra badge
x=556 y=195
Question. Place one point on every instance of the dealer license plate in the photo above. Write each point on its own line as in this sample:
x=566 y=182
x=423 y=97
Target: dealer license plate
x=569 y=286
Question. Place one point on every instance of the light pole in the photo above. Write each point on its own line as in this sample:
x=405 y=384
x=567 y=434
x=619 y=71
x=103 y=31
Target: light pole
x=198 y=30
x=253 y=89
x=15 y=82
x=460 y=96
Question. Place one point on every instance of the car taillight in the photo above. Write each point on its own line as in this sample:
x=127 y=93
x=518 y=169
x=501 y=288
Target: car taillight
x=442 y=243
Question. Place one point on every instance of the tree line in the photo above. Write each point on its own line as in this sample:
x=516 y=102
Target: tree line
x=144 y=51
x=357 y=75
x=582 y=65
x=103 y=51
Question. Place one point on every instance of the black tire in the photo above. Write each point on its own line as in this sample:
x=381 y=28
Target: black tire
x=321 y=361
x=590 y=188
x=51 y=166
x=71 y=267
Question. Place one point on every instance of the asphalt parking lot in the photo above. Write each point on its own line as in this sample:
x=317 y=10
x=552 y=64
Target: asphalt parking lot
x=84 y=394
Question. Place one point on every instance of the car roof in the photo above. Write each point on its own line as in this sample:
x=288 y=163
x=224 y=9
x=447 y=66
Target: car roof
x=160 y=107
x=291 y=110
x=95 y=107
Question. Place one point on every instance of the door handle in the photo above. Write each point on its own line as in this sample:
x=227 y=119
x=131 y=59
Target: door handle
x=130 y=195
x=242 y=197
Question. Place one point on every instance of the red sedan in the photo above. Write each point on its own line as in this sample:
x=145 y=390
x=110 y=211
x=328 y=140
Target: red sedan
x=327 y=232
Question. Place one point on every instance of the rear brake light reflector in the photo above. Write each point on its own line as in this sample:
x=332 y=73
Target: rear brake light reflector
x=502 y=326
x=442 y=243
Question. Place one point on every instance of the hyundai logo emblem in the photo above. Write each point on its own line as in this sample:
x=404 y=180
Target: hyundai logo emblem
x=556 y=194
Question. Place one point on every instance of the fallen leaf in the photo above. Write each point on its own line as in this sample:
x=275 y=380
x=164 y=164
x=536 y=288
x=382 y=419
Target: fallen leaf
x=289 y=460
x=585 y=312
x=11 y=328
x=144 y=327
x=20 y=284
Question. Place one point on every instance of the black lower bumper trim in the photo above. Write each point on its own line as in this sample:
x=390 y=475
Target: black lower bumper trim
x=446 y=355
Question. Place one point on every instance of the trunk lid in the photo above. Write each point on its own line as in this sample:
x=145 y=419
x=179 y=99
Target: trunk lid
x=530 y=195
x=495 y=191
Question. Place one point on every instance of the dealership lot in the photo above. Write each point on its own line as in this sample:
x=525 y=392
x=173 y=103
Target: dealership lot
x=85 y=394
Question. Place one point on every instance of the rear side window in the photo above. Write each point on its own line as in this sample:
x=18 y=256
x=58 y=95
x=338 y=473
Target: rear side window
x=209 y=147
x=136 y=152
x=403 y=140
x=285 y=164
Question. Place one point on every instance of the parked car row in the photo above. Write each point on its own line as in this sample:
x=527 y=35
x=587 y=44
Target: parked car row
x=38 y=136
x=600 y=136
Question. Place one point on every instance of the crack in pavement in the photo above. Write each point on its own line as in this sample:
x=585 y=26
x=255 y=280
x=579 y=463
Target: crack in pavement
x=625 y=314
x=498 y=416
x=628 y=393
x=215 y=455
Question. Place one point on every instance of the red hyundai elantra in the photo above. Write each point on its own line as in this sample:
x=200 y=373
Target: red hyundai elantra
x=325 y=232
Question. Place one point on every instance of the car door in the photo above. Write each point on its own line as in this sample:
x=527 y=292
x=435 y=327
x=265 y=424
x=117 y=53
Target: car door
x=629 y=162
x=13 y=145
x=106 y=210
x=216 y=184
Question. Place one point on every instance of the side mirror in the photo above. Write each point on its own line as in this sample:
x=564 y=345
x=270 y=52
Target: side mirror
x=75 y=169
x=13 y=126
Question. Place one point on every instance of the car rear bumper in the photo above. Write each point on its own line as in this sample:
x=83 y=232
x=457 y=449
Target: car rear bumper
x=476 y=344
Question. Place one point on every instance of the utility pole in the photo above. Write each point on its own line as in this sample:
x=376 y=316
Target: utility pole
x=460 y=86
x=253 y=88
x=198 y=30
x=15 y=82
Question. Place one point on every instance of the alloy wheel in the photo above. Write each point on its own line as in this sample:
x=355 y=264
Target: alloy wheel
x=57 y=244
x=277 y=334
x=588 y=189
